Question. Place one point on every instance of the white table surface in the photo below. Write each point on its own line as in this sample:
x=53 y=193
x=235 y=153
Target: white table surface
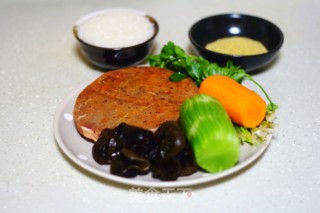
x=40 y=65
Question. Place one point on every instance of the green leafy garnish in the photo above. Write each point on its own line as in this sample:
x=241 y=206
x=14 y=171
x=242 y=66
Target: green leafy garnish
x=175 y=58
x=197 y=68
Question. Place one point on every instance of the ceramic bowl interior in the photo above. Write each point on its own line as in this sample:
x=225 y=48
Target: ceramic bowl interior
x=114 y=58
x=214 y=27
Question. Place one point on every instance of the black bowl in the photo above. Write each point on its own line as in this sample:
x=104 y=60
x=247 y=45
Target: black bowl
x=114 y=58
x=211 y=28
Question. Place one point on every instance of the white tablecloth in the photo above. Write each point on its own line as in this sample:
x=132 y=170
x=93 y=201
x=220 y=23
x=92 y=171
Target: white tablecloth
x=40 y=64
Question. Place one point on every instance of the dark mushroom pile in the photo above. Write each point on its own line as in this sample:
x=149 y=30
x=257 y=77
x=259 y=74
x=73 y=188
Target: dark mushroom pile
x=132 y=151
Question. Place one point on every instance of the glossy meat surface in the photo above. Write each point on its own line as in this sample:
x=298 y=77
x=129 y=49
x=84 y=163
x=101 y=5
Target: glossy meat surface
x=139 y=96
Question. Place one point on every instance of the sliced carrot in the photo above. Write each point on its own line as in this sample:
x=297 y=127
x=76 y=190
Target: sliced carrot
x=244 y=106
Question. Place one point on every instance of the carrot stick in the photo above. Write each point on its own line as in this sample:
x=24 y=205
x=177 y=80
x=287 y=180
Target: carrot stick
x=244 y=106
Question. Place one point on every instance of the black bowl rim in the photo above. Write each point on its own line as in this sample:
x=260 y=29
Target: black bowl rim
x=150 y=18
x=271 y=51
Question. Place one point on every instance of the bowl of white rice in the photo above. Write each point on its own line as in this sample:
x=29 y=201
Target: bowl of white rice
x=115 y=38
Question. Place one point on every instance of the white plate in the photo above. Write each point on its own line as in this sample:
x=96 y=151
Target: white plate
x=79 y=151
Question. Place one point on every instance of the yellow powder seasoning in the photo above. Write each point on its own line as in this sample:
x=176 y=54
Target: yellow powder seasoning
x=237 y=45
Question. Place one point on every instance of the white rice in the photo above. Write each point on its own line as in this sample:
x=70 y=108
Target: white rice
x=115 y=28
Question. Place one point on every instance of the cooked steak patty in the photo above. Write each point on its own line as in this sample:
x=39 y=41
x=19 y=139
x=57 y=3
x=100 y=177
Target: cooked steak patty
x=140 y=96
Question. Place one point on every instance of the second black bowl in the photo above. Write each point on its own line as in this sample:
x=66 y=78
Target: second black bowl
x=226 y=25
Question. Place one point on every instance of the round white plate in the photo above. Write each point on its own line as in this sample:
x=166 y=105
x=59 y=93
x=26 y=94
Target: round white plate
x=79 y=151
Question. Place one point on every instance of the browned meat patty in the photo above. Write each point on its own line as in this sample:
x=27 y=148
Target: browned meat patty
x=140 y=96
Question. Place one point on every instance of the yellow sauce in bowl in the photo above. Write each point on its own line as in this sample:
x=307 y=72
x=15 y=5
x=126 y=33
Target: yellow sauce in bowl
x=237 y=45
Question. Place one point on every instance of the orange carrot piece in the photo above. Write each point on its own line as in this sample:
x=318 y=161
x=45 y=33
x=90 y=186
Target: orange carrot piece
x=244 y=106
